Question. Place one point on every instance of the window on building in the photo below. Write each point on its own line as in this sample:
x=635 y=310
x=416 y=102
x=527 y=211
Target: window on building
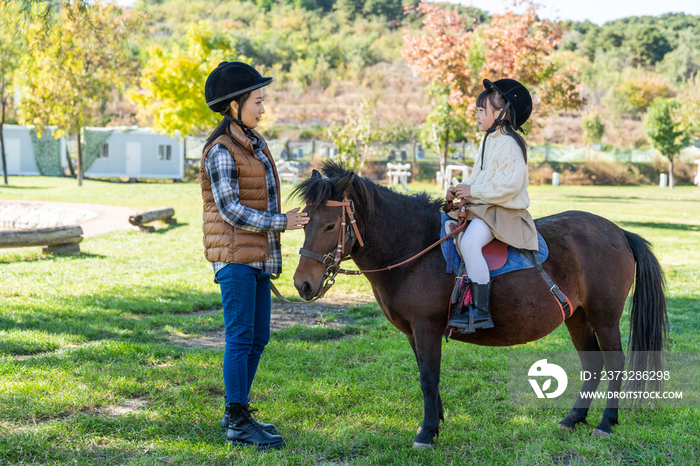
x=104 y=152
x=165 y=152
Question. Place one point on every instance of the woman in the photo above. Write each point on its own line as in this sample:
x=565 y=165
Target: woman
x=497 y=192
x=242 y=222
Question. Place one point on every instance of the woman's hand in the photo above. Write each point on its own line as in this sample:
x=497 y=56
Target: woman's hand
x=462 y=191
x=450 y=194
x=296 y=220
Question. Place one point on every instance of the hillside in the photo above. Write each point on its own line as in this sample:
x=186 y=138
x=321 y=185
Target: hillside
x=326 y=55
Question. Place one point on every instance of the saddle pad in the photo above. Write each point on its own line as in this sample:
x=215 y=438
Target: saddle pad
x=495 y=253
x=516 y=260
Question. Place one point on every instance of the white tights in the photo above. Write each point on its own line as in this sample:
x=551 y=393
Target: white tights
x=476 y=236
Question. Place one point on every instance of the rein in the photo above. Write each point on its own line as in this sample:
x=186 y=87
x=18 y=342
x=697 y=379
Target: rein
x=332 y=262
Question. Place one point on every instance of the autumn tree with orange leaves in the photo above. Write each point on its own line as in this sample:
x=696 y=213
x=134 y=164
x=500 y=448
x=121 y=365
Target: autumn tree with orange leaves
x=455 y=50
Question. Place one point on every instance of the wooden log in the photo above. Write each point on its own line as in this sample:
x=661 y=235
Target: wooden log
x=152 y=215
x=40 y=237
x=62 y=249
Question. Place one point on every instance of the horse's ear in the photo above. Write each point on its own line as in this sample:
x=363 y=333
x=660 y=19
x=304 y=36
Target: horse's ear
x=316 y=174
x=343 y=185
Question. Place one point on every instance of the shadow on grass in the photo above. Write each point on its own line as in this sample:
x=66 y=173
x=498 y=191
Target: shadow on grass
x=42 y=257
x=664 y=225
x=311 y=334
x=9 y=186
x=145 y=314
x=161 y=231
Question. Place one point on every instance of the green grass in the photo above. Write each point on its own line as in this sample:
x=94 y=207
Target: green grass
x=81 y=335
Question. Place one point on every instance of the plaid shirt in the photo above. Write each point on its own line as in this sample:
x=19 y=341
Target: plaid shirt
x=221 y=170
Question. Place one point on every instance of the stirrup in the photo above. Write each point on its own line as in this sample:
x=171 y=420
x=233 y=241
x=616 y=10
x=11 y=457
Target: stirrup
x=462 y=327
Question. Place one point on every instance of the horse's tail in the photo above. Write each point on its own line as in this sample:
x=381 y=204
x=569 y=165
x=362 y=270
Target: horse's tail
x=648 y=318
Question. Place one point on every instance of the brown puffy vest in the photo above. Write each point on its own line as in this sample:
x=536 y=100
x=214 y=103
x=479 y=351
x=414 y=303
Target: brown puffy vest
x=222 y=241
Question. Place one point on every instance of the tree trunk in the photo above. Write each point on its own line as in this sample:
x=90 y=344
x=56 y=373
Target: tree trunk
x=671 y=181
x=69 y=160
x=152 y=215
x=414 y=166
x=2 y=132
x=443 y=159
x=80 y=162
x=41 y=237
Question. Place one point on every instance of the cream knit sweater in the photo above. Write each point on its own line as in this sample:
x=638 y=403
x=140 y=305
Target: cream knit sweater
x=504 y=179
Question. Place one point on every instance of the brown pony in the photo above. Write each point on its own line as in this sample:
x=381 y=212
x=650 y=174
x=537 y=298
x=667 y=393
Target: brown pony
x=590 y=258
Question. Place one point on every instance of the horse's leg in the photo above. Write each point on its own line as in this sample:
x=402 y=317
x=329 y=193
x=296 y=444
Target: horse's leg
x=428 y=349
x=586 y=344
x=441 y=412
x=611 y=344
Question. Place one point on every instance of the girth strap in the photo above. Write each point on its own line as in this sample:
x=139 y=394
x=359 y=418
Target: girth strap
x=562 y=299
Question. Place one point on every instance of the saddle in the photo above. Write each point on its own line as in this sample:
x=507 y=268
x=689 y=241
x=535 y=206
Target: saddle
x=495 y=252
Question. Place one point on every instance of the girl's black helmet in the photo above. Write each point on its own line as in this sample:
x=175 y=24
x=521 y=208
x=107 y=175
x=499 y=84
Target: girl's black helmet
x=231 y=79
x=516 y=95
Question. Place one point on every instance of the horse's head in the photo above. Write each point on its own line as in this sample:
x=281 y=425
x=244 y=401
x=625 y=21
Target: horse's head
x=329 y=233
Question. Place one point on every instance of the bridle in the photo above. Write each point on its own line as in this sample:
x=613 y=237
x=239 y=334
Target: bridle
x=350 y=230
x=330 y=260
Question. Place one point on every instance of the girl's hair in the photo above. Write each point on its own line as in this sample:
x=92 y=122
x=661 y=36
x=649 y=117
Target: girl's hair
x=497 y=102
x=221 y=129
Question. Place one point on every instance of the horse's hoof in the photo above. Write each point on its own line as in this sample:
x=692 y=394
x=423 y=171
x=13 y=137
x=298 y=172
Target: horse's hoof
x=571 y=429
x=597 y=433
x=423 y=446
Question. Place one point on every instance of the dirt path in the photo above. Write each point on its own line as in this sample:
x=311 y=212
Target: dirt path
x=95 y=219
x=284 y=315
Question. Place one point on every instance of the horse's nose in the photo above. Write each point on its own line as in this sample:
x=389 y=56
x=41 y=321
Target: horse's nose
x=304 y=289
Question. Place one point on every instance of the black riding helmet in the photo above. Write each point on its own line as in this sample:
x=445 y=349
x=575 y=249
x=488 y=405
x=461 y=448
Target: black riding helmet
x=229 y=80
x=517 y=97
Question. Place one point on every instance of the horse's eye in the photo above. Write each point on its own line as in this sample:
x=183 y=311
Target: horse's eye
x=330 y=227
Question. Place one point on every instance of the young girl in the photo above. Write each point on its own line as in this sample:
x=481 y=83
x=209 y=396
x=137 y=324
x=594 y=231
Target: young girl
x=496 y=190
x=241 y=192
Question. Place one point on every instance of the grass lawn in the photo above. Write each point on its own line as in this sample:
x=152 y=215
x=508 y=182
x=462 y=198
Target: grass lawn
x=89 y=376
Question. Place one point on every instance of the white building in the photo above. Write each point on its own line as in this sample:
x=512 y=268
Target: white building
x=20 y=149
x=135 y=153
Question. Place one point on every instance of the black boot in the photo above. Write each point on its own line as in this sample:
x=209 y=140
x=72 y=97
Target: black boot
x=481 y=297
x=269 y=428
x=244 y=431
x=478 y=314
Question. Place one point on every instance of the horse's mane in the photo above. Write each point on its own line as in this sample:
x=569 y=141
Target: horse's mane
x=365 y=193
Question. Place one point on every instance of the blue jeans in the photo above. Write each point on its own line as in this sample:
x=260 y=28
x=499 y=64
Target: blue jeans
x=245 y=295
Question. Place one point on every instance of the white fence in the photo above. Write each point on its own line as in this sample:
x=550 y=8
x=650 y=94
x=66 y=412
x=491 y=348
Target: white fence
x=458 y=151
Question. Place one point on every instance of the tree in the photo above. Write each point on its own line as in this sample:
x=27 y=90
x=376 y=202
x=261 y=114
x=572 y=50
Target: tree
x=689 y=109
x=11 y=49
x=442 y=125
x=593 y=128
x=76 y=63
x=663 y=133
x=638 y=90
x=455 y=51
x=647 y=45
x=172 y=81
x=354 y=138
